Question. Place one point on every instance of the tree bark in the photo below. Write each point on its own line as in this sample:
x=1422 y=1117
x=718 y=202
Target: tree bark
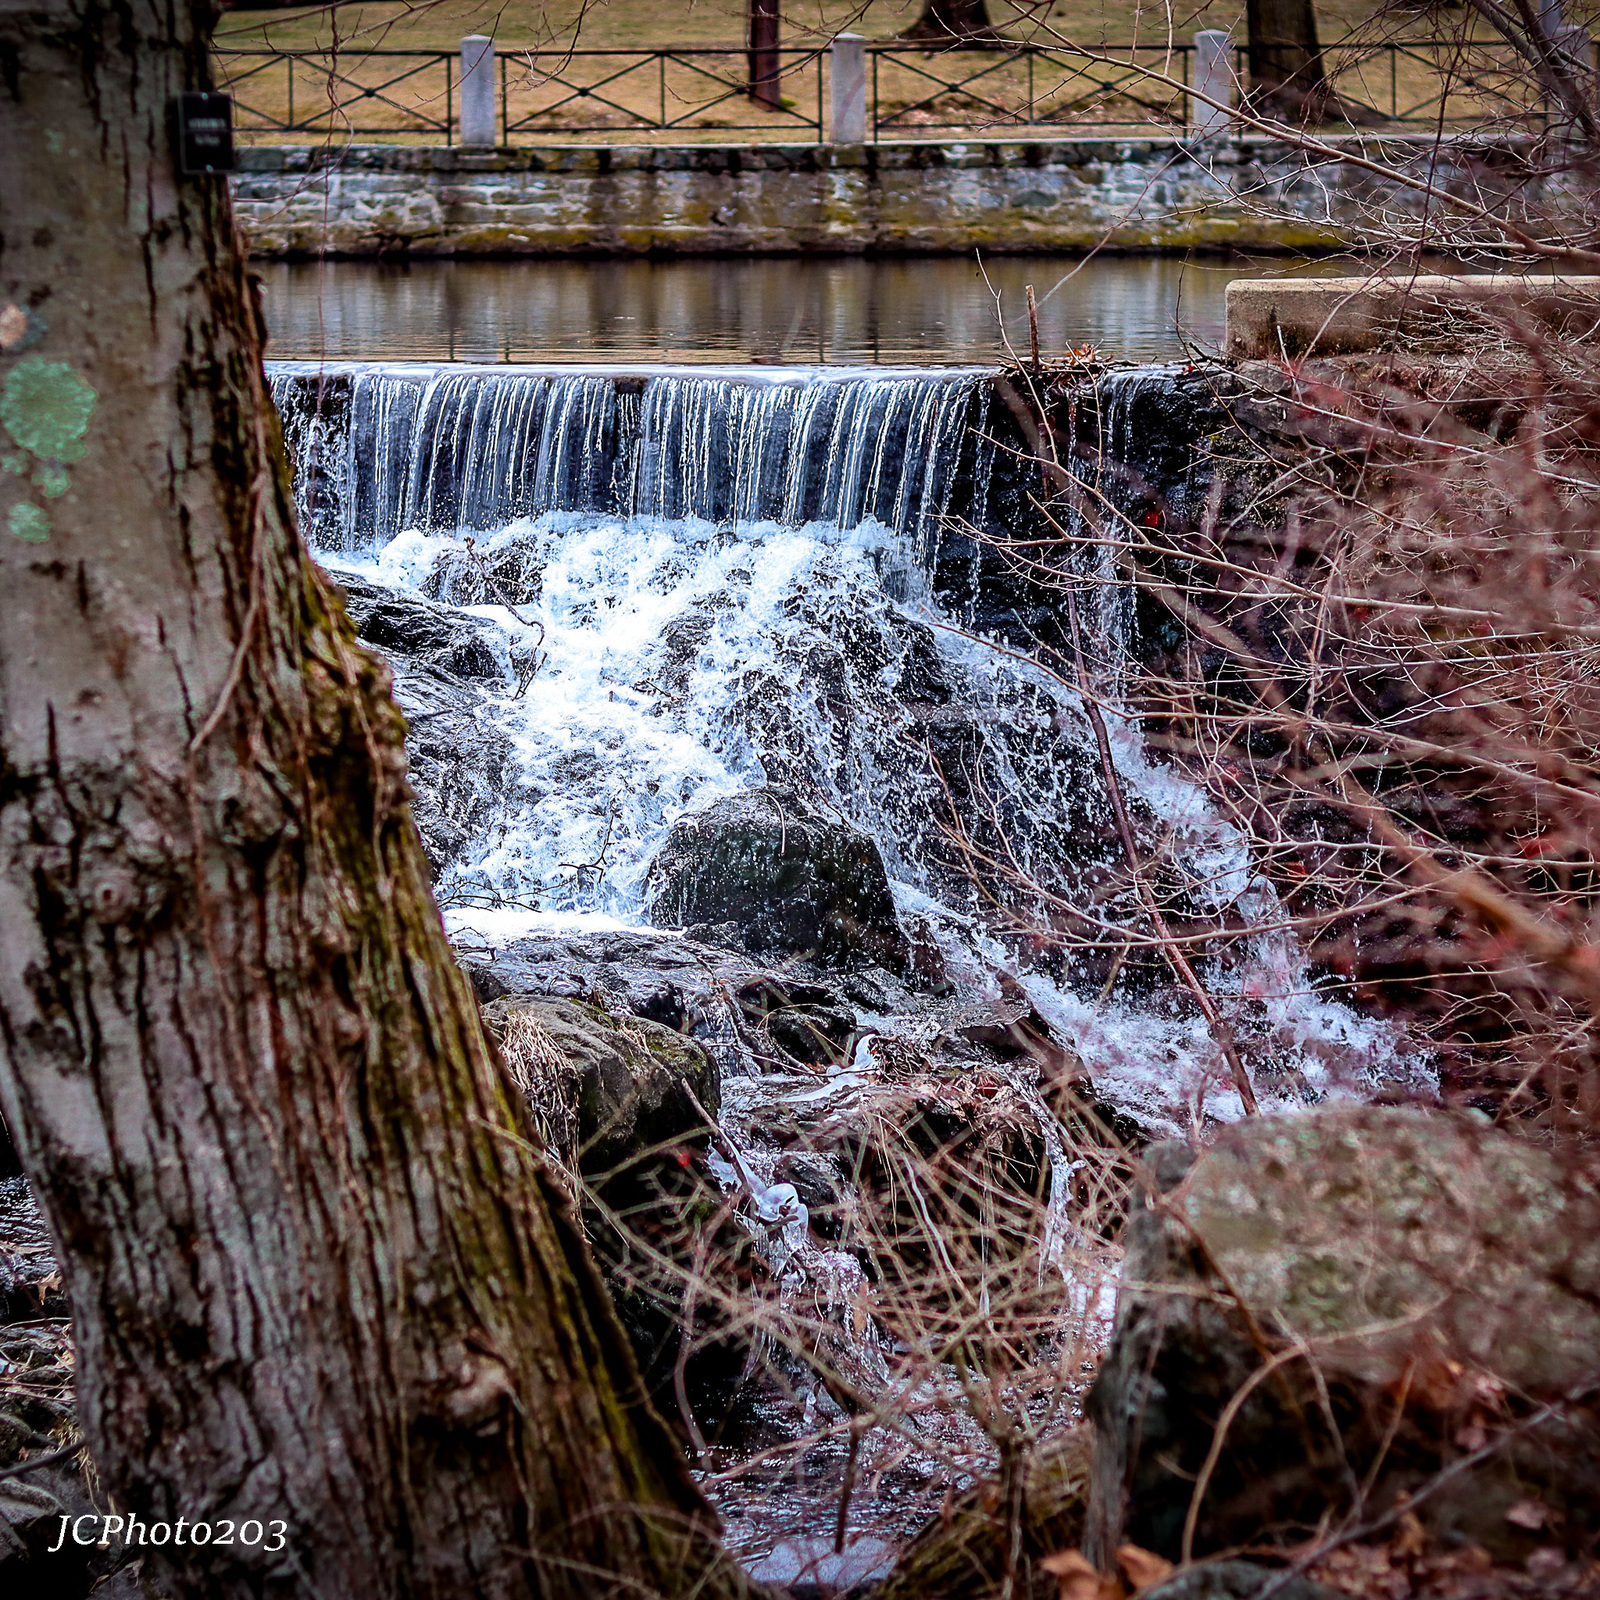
x=320 y=1273
x=946 y=21
x=1286 y=71
x=766 y=86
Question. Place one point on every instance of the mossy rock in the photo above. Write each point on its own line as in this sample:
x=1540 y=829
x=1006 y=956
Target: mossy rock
x=1422 y=1284
x=607 y=1091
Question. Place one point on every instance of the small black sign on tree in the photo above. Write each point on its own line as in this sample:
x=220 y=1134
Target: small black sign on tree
x=205 y=134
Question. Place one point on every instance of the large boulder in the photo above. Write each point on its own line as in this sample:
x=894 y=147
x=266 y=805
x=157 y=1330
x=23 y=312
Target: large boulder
x=785 y=876
x=1360 y=1303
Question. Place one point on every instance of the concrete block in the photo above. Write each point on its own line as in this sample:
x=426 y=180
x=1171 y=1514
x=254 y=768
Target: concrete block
x=1269 y=318
x=847 y=89
x=479 y=119
x=1214 y=79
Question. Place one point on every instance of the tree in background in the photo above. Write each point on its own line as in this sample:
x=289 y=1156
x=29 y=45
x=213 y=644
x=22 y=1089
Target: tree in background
x=766 y=69
x=945 y=20
x=1286 y=71
x=320 y=1271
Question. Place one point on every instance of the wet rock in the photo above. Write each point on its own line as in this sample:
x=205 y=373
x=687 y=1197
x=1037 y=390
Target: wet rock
x=399 y=623
x=1440 y=1276
x=669 y=979
x=809 y=1022
x=458 y=767
x=466 y=576
x=458 y=758
x=788 y=877
x=620 y=1101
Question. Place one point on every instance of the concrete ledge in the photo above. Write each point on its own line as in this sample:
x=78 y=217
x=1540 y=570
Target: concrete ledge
x=1270 y=318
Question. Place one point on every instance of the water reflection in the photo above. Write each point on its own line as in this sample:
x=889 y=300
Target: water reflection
x=826 y=310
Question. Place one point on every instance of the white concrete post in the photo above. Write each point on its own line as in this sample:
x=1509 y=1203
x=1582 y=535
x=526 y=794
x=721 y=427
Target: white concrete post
x=1573 y=41
x=478 y=109
x=1214 y=78
x=847 y=87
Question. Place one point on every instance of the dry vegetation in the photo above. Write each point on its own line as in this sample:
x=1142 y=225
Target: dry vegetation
x=551 y=94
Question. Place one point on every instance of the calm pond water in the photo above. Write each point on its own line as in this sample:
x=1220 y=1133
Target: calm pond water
x=831 y=310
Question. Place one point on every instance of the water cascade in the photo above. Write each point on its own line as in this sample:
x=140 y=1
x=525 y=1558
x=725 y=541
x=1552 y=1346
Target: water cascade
x=635 y=594
x=707 y=580
x=387 y=449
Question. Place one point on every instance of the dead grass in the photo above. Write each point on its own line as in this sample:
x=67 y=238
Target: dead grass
x=599 y=100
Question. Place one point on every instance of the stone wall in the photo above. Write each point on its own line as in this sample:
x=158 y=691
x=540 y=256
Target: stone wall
x=912 y=197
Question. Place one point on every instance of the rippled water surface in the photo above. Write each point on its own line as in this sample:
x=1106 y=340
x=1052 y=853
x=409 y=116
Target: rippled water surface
x=827 y=311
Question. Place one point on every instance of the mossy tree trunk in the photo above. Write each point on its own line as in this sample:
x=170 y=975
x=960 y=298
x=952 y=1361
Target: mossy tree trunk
x=319 y=1272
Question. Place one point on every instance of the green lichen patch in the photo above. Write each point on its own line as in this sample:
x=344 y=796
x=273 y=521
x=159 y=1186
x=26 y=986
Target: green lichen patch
x=52 y=479
x=28 y=522
x=13 y=461
x=46 y=408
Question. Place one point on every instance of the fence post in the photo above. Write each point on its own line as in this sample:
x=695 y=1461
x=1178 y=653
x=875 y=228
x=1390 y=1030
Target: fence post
x=1213 y=77
x=847 y=86
x=477 y=90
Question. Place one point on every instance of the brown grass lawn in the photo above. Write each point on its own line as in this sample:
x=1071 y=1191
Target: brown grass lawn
x=554 y=96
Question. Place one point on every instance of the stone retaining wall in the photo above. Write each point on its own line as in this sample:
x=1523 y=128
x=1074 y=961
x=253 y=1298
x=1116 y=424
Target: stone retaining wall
x=913 y=197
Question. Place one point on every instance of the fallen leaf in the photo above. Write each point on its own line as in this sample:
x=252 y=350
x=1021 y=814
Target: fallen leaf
x=1410 y=1538
x=1079 y=1580
x=1143 y=1569
x=1529 y=1514
x=13 y=325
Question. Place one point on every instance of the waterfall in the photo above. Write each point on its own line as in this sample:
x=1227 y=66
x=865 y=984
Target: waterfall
x=383 y=449
x=704 y=581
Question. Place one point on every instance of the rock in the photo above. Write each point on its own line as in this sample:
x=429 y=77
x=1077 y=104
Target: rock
x=606 y=1091
x=1237 y=1580
x=510 y=575
x=789 y=878
x=807 y=1021
x=616 y=1097
x=691 y=987
x=399 y=623
x=1419 y=1259
x=457 y=756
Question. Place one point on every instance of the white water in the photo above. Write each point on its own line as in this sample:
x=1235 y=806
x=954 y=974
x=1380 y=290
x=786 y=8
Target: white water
x=733 y=591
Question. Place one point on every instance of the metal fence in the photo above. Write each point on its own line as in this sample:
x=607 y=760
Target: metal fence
x=648 y=94
x=541 y=92
x=326 y=92
x=614 y=91
x=1396 y=83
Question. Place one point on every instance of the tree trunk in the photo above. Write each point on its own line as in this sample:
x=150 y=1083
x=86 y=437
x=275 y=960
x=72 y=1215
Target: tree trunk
x=766 y=86
x=1286 y=72
x=946 y=21
x=320 y=1273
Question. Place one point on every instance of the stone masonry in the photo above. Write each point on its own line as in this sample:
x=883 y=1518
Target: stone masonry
x=912 y=197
